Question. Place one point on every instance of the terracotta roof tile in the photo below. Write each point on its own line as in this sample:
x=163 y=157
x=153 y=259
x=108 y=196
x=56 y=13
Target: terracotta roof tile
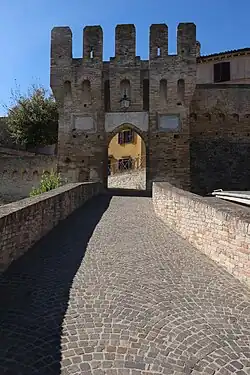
x=241 y=50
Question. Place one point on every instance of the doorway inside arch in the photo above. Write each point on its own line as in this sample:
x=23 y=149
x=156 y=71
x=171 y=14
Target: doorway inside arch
x=127 y=160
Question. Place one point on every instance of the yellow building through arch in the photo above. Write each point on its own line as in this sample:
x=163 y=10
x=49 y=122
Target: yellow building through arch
x=126 y=151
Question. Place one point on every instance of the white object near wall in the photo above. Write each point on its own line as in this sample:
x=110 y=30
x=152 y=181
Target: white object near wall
x=83 y=123
x=169 y=122
x=138 y=119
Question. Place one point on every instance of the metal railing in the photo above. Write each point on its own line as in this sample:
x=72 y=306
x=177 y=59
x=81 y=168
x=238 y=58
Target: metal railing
x=126 y=164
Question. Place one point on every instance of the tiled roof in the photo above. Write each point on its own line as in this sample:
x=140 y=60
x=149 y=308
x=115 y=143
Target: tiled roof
x=234 y=51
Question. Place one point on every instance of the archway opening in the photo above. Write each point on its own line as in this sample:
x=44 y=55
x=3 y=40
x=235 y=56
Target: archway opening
x=127 y=160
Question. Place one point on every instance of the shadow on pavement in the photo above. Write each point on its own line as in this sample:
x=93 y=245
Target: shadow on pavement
x=34 y=294
x=128 y=192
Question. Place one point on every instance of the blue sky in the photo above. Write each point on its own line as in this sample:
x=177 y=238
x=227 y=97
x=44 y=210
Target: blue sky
x=26 y=24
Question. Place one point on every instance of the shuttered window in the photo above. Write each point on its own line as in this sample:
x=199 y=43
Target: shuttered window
x=126 y=136
x=222 y=72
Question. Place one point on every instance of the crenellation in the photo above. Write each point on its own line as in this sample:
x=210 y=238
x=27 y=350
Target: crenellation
x=93 y=43
x=99 y=87
x=198 y=49
x=186 y=39
x=158 y=41
x=61 y=46
x=93 y=95
x=125 y=42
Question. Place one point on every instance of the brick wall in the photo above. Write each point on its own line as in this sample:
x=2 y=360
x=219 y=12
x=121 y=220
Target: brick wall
x=220 y=138
x=18 y=174
x=219 y=229
x=23 y=223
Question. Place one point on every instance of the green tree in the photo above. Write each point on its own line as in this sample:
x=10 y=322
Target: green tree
x=33 y=118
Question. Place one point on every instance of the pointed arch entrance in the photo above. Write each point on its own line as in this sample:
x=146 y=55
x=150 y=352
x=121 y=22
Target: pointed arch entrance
x=127 y=158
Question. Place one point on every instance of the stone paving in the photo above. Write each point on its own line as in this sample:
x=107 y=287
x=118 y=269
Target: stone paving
x=132 y=179
x=113 y=291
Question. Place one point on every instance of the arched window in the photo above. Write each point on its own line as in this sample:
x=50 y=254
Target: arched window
x=163 y=92
x=25 y=175
x=221 y=116
x=181 y=90
x=35 y=175
x=86 y=92
x=67 y=90
x=235 y=117
x=125 y=88
x=207 y=115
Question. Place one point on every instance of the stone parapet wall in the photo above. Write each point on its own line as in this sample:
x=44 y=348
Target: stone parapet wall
x=19 y=174
x=218 y=228
x=25 y=222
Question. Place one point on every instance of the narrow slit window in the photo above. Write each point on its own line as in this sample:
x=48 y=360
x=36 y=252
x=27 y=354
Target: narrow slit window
x=107 y=96
x=158 y=51
x=91 y=53
x=86 y=92
x=146 y=94
x=181 y=90
x=67 y=90
x=163 y=91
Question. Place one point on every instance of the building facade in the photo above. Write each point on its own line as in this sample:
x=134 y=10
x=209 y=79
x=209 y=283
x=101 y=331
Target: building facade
x=224 y=67
x=171 y=101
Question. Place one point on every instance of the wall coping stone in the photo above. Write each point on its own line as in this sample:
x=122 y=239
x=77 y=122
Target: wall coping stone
x=13 y=207
x=24 y=222
x=223 y=86
x=228 y=209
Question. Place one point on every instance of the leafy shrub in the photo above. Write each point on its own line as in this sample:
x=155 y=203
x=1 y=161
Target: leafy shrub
x=49 y=181
x=33 y=118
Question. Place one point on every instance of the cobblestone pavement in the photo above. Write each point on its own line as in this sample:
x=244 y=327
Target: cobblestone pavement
x=139 y=301
x=132 y=179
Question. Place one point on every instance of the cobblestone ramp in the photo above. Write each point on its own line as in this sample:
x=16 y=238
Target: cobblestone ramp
x=113 y=291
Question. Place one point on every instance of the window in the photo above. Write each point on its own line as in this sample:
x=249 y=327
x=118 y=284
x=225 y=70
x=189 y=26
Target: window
x=222 y=72
x=158 y=51
x=91 y=53
x=67 y=89
x=125 y=164
x=86 y=92
x=126 y=136
x=145 y=94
